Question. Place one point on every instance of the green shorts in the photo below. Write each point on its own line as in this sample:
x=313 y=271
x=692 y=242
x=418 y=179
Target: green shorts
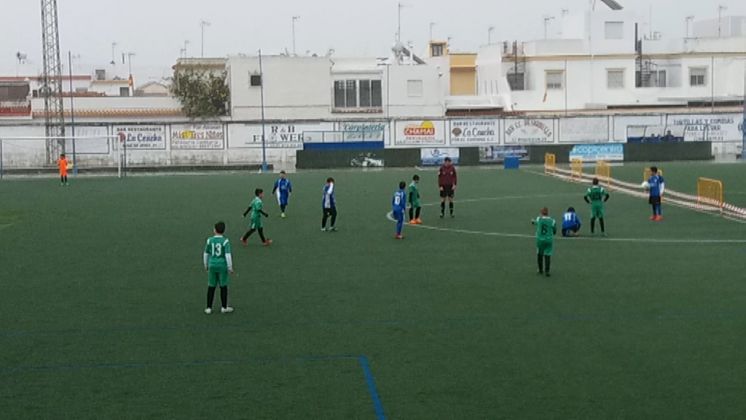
x=217 y=276
x=597 y=211
x=544 y=248
x=256 y=223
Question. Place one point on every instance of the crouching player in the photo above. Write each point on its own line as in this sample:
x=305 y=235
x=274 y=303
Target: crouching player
x=570 y=223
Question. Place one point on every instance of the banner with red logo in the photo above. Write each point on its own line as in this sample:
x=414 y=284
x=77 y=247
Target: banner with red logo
x=420 y=132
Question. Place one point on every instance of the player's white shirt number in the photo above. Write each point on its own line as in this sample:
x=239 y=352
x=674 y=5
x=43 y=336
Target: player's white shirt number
x=217 y=250
x=397 y=200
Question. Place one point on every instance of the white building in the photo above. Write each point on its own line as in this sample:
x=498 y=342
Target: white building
x=330 y=88
x=602 y=61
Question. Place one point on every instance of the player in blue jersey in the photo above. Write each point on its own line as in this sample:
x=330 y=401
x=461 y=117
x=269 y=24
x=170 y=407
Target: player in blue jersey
x=656 y=187
x=329 y=206
x=570 y=223
x=282 y=190
x=398 y=206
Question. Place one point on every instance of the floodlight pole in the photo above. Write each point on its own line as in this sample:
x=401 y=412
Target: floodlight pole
x=743 y=123
x=264 y=130
x=72 y=111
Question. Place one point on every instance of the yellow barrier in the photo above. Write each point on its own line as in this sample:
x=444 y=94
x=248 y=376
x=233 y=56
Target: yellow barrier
x=550 y=162
x=710 y=192
x=576 y=166
x=603 y=172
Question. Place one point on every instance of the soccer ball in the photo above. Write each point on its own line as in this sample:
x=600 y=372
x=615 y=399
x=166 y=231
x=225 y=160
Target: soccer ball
x=645 y=185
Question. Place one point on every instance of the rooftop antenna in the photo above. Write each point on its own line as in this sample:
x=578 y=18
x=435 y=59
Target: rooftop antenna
x=547 y=19
x=689 y=20
x=113 y=54
x=490 y=30
x=399 y=7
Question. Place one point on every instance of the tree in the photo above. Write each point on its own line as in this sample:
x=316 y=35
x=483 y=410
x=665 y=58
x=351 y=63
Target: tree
x=202 y=94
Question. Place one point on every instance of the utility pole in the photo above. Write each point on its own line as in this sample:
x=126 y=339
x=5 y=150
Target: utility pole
x=295 y=19
x=721 y=9
x=203 y=24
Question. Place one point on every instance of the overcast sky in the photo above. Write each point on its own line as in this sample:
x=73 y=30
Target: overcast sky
x=156 y=29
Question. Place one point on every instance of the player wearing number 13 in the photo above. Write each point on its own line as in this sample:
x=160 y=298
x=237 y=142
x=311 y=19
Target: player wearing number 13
x=398 y=206
x=218 y=261
x=546 y=228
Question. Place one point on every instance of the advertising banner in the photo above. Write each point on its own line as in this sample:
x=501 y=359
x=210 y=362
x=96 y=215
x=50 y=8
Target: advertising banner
x=610 y=152
x=584 y=130
x=420 y=133
x=529 y=131
x=210 y=136
x=436 y=157
x=364 y=131
x=142 y=137
x=707 y=127
x=285 y=135
x=474 y=132
x=494 y=154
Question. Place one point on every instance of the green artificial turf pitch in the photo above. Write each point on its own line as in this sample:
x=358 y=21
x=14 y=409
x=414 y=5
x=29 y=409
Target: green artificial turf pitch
x=101 y=310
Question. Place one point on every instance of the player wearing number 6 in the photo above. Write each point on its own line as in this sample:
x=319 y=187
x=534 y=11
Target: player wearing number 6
x=398 y=205
x=546 y=228
x=218 y=262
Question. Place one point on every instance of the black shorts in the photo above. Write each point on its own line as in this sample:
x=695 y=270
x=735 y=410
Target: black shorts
x=447 y=191
x=654 y=200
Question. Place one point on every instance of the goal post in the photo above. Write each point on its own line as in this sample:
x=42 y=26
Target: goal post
x=710 y=192
x=603 y=172
x=550 y=163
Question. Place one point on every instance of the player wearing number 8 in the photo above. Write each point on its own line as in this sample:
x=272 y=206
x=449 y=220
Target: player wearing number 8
x=218 y=261
x=398 y=205
x=546 y=228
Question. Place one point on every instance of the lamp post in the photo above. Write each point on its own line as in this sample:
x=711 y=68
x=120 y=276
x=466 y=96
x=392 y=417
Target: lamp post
x=689 y=20
x=72 y=111
x=131 y=80
x=721 y=9
x=264 y=130
x=203 y=24
x=547 y=19
x=295 y=19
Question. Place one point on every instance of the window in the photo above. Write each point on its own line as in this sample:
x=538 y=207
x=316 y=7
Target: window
x=436 y=50
x=615 y=78
x=697 y=76
x=614 y=30
x=124 y=91
x=256 y=80
x=100 y=74
x=414 y=88
x=357 y=94
x=516 y=81
x=661 y=75
x=555 y=79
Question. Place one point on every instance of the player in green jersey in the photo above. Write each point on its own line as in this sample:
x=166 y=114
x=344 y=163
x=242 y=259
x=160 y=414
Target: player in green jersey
x=218 y=263
x=256 y=208
x=415 y=207
x=596 y=196
x=546 y=228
